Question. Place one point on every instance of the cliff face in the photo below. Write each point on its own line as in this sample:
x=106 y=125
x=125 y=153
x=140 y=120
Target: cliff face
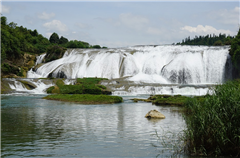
x=17 y=67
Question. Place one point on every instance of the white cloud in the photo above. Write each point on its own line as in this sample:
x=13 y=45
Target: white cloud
x=55 y=25
x=46 y=16
x=4 y=9
x=133 y=21
x=200 y=29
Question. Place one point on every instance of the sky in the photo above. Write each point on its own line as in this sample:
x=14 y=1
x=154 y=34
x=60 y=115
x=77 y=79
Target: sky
x=122 y=23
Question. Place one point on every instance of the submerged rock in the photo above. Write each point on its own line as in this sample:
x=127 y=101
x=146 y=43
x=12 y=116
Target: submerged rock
x=154 y=114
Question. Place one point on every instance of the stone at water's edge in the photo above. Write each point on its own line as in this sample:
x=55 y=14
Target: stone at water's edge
x=154 y=114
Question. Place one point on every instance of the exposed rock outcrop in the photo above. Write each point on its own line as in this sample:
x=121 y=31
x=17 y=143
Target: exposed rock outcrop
x=155 y=114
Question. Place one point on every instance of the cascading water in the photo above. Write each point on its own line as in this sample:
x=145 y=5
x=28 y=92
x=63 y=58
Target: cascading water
x=144 y=69
x=32 y=86
x=161 y=64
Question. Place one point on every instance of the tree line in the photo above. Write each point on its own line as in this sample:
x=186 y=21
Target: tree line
x=16 y=40
x=208 y=40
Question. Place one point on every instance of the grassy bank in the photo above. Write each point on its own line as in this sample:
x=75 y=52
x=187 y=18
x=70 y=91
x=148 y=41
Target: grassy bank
x=169 y=100
x=213 y=126
x=86 y=98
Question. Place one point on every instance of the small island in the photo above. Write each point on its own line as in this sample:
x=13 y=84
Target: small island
x=84 y=91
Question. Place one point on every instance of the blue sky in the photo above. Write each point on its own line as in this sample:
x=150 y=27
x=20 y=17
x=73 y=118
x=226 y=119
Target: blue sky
x=120 y=23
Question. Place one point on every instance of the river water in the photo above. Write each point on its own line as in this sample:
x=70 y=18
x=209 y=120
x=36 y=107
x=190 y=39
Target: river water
x=34 y=127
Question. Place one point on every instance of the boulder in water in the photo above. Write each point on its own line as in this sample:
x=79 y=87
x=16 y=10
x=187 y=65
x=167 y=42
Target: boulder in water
x=155 y=114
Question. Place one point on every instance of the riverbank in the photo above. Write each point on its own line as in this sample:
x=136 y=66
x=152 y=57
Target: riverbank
x=168 y=100
x=213 y=123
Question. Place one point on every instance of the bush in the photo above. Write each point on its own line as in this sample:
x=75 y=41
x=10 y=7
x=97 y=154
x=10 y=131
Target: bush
x=92 y=89
x=50 y=89
x=90 y=80
x=218 y=43
x=213 y=126
x=60 y=83
x=71 y=89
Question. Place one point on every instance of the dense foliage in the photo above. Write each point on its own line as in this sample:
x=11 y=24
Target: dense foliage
x=208 y=40
x=18 y=40
x=213 y=123
x=54 y=52
x=235 y=53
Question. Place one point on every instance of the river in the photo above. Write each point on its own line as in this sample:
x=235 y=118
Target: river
x=34 y=127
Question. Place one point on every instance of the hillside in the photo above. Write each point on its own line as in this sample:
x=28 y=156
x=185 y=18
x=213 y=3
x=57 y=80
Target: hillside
x=20 y=46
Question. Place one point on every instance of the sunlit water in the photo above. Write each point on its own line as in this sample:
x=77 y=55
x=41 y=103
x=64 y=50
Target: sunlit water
x=34 y=127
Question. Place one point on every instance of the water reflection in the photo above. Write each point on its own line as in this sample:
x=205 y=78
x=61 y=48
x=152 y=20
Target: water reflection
x=33 y=127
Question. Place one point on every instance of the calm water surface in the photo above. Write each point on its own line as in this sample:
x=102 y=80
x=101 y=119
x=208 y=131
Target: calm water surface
x=34 y=127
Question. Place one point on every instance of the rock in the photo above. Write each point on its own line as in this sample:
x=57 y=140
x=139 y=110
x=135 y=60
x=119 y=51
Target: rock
x=154 y=114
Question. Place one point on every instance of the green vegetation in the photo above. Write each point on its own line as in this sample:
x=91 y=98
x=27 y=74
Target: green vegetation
x=86 y=98
x=168 y=100
x=208 y=40
x=90 y=81
x=83 y=86
x=213 y=126
x=172 y=100
x=16 y=41
x=235 y=54
x=5 y=88
x=85 y=91
x=54 y=52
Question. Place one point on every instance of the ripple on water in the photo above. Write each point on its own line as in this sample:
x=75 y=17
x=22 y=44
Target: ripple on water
x=33 y=127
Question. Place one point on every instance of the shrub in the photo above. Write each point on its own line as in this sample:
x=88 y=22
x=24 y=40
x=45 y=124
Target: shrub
x=59 y=83
x=90 y=80
x=92 y=89
x=50 y=89
x=213 y=126
x=71 y=89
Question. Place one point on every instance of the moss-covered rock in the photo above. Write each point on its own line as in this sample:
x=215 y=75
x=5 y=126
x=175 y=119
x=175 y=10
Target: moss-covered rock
x=28 y=85
x=5 y=88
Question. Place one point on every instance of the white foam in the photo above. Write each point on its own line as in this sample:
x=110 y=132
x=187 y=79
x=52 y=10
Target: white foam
x=161 y=64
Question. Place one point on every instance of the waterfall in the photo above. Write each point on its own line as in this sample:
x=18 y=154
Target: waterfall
x=149 y=64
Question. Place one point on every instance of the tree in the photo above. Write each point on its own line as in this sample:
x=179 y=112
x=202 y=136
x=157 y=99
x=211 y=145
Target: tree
x=34 y=32
x=97 y=46
x=63 y=40
x=3 y=20
x=235 y=52
x=54 y=38
x=218 y=43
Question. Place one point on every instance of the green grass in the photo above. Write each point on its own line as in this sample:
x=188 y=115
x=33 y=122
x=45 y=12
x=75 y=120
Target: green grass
x=176 y=100
x=83 y=86
x=213 y=126
x=86 y=98
x=90 y=80
x=86 y=91
x=169 y=100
